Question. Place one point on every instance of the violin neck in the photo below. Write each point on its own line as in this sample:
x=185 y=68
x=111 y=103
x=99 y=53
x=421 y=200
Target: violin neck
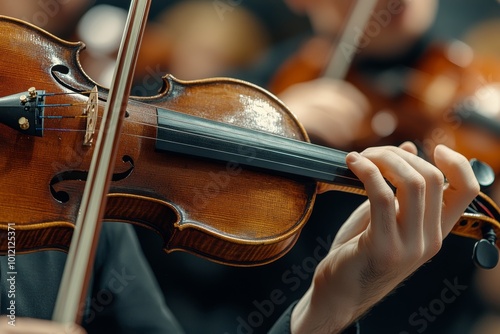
x=187 y=134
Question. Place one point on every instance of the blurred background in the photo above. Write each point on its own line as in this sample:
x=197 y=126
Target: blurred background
x=250 y=40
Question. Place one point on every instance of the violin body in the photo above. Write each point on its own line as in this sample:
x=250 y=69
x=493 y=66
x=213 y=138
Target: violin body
x=226 y=212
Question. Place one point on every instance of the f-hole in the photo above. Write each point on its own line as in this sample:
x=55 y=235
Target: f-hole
x=79 y=175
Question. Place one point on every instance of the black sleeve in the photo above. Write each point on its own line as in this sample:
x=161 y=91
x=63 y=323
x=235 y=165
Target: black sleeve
x=125 y=296
x=282 y=326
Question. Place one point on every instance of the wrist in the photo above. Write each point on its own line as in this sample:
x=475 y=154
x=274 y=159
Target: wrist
x=322 y=314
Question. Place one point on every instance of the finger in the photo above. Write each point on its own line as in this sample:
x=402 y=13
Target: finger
x=462 y=184
x=380 y=195
x=410 y=187
x=434 y=185
x=410 y=147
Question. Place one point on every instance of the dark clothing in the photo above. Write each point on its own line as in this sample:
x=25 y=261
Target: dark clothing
x=282 y=326
x=124 y=295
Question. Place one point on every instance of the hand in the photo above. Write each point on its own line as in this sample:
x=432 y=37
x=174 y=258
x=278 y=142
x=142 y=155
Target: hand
x=389 y=236
x=331 y=111
x=37 y=326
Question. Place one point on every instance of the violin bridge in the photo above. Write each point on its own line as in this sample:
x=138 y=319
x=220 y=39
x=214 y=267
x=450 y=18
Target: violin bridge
x=91 y=111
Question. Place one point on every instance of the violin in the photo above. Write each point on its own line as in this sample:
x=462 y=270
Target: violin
x=217 y=167
x=456 y=90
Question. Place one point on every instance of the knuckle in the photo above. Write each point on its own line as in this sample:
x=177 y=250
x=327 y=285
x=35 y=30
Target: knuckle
x=463 y=164
x=474 y=187
x=369 y=151
x=416 y=183
x=385 y=198
x=436 y=178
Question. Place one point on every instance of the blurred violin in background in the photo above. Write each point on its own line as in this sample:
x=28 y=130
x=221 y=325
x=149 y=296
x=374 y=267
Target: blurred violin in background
x=449 y=94
x=186 y=39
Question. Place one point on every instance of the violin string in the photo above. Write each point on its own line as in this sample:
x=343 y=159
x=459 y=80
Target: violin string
x=207 y=126
x=61 y=105
x=55 y=105
x=67 y=93
x=263 y=159
x=60 y=129
x=214 y=150
x=62 y=116
x=146 y=111
x=485 y=209
x=240 y=155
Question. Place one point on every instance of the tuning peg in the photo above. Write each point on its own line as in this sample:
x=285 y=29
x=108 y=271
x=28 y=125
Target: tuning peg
x=485 y=253
x=483 y=172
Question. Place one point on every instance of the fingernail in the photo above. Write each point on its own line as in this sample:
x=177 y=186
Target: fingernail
x=352 y=157
x=443 y=147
